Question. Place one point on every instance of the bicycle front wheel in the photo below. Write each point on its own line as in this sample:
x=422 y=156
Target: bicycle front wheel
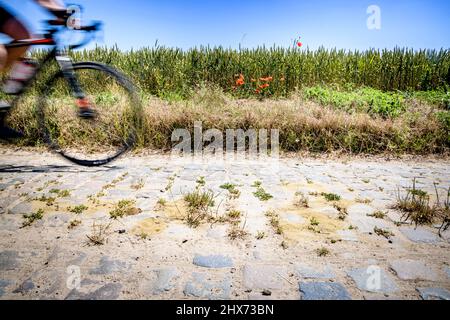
x=113 y=127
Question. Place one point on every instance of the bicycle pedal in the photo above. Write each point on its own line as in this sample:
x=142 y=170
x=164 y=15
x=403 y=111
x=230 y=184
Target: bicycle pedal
x=4 y=106
x=87 y=114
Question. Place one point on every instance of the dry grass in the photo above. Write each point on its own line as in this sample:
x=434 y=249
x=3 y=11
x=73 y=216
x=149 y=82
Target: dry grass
x=99 y=234
x=301 y=200
x=303 y=125
x=417 y=207
x=378 y=214
x=198 y=202
x=383 y=232
x=274 y=220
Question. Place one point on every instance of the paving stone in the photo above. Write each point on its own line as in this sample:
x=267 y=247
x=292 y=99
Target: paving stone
x=323 y=291
x=264 y=276
x=115 y=194
x=348 y=235
x=213 y=261
x=293 y=218
x=308 y=272
x=108 y=266
x=217 y=232
x=59 y=220
x=6 y=201
x=110 y=291
x=434 y=293
x=26 y=286
x=447 y=271
x=3 y=285
x=329 y=211
x=21 y=208
x=358 y=217
x=9 y=260
x=420 y=235
x=163 y=282
x=360 y=210
x=373 y=279
x=203 y=287
x=78 y=258
x=407 y=269
x=53 y=281
x=9 y=223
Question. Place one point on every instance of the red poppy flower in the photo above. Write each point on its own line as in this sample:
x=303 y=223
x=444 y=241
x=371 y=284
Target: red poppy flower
x=299 y=44
x=240 y=81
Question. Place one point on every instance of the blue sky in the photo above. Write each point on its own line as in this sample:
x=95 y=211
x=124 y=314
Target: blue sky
x=329 y=23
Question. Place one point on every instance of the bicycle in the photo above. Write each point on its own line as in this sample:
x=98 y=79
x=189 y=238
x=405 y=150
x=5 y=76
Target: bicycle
x=93 y=140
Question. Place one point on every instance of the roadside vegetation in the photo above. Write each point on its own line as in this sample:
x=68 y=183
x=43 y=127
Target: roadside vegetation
x=370 y=102
x=419 y=208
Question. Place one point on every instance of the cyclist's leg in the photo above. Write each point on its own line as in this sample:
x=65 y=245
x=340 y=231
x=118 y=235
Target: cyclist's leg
x=16 y=30
x=12 y=27
x=3 y=55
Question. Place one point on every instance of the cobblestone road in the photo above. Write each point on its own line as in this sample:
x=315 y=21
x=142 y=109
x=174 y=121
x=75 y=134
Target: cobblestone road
x=296 y=229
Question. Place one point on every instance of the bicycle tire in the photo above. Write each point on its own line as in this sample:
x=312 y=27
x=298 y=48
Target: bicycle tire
x=133 y=131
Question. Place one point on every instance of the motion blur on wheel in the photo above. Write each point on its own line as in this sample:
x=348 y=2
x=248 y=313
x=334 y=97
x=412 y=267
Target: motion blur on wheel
x=98 y=124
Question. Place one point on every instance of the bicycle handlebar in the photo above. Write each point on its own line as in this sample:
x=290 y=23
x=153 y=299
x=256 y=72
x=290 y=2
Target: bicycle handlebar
x=89 y=29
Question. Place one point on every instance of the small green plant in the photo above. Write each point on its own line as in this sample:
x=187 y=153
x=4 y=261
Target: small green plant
x=124 y=208
x=363 y=200
x=77 y=209
x=138 y=185
x=383 y=232
x=31 y=218
x=331 y=196
x=143 y=236
x=201 y=181
x=74 y=223
x=274 y=220
x=228 y=186
x=257 y=184
x=301 y=200
x=170 y=183
x=262 y=195
x=378 y=214
x=260 y=235
x=60 y=193
x=234 y=214
x=322 y=252
x=48 y=200
x=198 y=204
x=444 y=211
x=415 y=205
x=161 y=202
x=199 y=200
x=233 y=192
x=313 y=221
x=342 y=211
